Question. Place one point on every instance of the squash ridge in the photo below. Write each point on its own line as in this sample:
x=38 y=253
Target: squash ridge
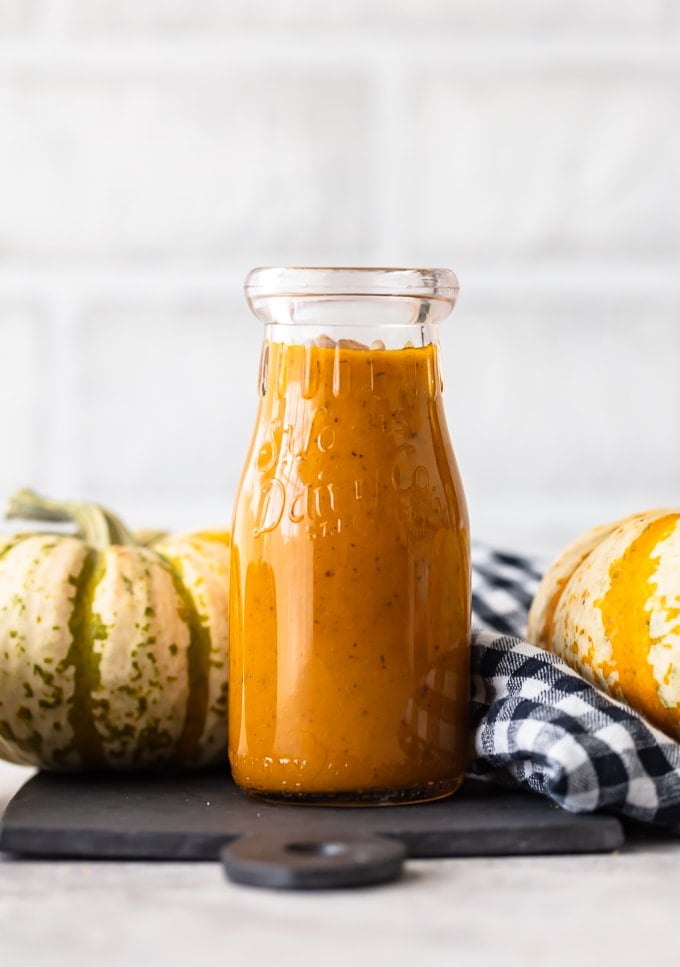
x=84 y=627
x=188 y=747
x=626 y=620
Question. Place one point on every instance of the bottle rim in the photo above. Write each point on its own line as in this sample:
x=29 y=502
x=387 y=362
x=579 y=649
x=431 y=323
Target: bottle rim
x=329 y=281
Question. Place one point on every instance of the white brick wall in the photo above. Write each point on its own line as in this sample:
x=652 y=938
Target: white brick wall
x=572 y=403
x=237 y=164
x=151 y=151
x=17 y=16
x=179 y=427
x=534 y=16
x=20 y=430
x=582 y=162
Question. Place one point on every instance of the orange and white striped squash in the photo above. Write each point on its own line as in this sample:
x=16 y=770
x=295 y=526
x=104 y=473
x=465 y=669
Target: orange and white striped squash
x=610 y=607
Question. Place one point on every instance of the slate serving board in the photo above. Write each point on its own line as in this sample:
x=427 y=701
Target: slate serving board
x=191 y=817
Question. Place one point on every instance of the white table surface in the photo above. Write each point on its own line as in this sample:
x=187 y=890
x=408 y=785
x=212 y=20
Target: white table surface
x=559 y=910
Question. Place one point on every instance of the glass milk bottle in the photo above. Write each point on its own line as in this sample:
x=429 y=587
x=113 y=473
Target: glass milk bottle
x=350 y=571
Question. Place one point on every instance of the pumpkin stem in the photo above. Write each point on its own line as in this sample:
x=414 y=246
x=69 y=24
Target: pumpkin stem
x=95 y=524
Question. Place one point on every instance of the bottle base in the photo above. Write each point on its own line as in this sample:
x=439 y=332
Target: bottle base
x=422 y=793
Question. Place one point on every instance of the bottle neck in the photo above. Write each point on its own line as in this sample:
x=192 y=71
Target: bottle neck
x=392 y=320
x=377 y=336
x=322 y=370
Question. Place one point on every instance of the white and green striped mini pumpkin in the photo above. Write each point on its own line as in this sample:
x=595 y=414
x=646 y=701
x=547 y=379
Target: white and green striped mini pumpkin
x=113 y=649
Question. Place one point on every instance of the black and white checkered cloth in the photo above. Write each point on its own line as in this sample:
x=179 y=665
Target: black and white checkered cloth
x=539 y=725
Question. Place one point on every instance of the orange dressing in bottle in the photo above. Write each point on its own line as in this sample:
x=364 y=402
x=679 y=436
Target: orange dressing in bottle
x=350 y=576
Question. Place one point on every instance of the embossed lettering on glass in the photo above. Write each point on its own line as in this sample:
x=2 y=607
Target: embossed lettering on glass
x=350 y=571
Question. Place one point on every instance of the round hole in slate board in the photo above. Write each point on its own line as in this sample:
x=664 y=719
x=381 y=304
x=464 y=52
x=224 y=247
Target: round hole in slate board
x=317 y=849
